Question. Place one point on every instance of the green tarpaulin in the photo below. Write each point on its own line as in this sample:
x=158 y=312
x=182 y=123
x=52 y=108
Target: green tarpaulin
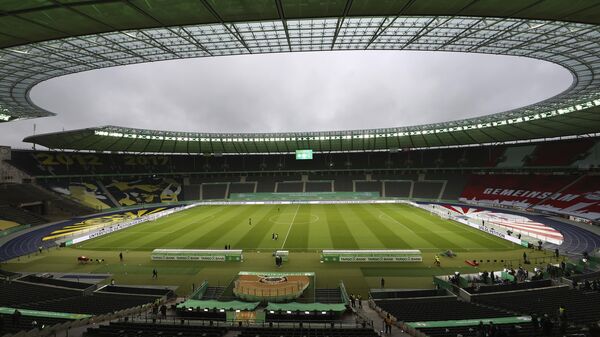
x=470 y=322
x=293 y=306
x=47 y=314
x=231 y=305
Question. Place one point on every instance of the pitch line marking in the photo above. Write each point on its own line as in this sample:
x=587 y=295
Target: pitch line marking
x=290 y=228
x=313 y=219
x=148 y=250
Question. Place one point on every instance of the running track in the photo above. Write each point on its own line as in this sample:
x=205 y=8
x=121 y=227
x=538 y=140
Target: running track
x=29 y=242
x=576 y=239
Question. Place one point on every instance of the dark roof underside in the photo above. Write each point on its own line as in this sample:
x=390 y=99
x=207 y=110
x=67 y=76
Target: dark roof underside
x=26 y=21
x=29 y=21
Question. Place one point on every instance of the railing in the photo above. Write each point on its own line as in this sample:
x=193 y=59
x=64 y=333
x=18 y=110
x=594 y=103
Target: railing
x=235 y=323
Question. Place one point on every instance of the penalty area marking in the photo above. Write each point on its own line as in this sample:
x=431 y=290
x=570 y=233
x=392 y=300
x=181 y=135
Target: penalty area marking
x=291 y=224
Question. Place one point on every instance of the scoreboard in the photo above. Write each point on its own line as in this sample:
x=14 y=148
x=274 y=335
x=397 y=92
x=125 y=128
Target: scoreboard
x=304 y=154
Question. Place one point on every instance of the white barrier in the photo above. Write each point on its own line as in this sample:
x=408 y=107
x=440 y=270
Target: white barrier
x=303 y=202
x=466 y=221
x=122 y=225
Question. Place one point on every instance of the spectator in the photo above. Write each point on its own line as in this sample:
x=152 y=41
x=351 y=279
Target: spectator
x=491 y=329
x=163 y=311
x=562 y=312
x=154 y=310
x=594 y=330
x=562 y=319
x=16 y=317
x=388 y=324
x=535 y=323
x=547 y=325
x=481 y=329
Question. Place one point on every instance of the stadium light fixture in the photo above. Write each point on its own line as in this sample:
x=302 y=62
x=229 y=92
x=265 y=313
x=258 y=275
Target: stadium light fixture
x=225 y=139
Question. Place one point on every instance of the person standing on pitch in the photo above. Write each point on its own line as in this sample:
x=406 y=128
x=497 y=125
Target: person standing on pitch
x=154 y=274
x=250 y=221
x=121 y=256
x=382 y=282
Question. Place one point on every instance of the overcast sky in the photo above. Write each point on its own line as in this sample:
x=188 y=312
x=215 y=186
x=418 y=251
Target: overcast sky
x=291 y=92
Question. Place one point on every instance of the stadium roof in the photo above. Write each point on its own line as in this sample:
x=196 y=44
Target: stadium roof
x=45 y=39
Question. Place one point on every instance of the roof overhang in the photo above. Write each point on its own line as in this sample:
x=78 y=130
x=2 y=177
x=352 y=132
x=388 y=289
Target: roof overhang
x=46 y=39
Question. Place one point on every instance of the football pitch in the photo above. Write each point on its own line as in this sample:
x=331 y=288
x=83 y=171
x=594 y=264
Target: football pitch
x=303 y=229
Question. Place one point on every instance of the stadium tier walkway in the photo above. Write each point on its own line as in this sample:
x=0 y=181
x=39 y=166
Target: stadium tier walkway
x=377 y=320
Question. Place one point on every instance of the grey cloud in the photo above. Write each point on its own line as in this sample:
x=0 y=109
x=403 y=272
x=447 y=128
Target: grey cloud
x=292 y=92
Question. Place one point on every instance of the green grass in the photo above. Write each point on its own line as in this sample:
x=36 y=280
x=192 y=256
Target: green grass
x=302 y=229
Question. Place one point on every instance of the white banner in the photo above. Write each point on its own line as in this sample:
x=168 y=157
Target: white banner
x=122 y=225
